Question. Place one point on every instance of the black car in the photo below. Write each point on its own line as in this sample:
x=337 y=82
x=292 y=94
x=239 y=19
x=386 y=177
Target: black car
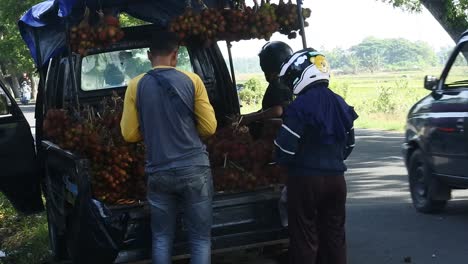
x=436 y=140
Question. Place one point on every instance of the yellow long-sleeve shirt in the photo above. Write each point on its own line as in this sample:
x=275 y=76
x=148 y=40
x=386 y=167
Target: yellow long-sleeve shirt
x=205 y=116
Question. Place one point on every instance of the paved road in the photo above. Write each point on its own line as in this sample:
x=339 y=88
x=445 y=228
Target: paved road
x=382 y=226
x=28 y=111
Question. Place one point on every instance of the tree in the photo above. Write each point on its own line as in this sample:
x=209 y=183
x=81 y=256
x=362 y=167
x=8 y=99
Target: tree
x=373 y=54
x=403 y=52
x=252 y=92
x=451 y=14
x=336 y=58
x=352 y=62
x=14 y=55
x=443 y=55
x=370 y=53
x=128 y=21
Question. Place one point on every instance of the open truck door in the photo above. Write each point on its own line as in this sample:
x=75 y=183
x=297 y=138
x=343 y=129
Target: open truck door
x=19 y=174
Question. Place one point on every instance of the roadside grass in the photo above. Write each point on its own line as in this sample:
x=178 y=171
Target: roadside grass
x=24 y=239
x=381 y=122
x=382 y=99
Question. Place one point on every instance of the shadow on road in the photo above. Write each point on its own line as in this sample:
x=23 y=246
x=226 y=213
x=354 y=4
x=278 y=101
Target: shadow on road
x=382 y=225
x=376 y=170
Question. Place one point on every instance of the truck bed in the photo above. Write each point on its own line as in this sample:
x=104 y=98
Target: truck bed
x=240 y=220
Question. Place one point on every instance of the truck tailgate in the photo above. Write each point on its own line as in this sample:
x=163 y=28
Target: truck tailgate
x=239 y=220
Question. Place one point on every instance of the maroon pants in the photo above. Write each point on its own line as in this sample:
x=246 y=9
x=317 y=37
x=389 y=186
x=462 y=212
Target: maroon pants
x=316 y=212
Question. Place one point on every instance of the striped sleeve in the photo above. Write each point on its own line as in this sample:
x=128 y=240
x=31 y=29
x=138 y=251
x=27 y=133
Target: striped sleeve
x=287 y=141
x=350 y=143
x=204 y=112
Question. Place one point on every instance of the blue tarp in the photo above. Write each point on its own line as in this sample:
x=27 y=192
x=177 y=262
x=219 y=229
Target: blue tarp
x=43 y=26
x=43 y=20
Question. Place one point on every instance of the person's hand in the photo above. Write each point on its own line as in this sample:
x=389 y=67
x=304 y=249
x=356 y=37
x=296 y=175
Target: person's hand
x=242 y=120
x=245 y=120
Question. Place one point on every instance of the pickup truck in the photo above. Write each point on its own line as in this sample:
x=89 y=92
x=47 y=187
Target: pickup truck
x=86 y=230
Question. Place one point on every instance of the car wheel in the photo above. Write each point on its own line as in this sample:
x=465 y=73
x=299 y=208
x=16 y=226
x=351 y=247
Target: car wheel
x=420 y=183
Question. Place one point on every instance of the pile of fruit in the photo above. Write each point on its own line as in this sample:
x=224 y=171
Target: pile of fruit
x=85 y=36
x=117 y=167
x=288 y=19
x=241 y=163
x=241 y=23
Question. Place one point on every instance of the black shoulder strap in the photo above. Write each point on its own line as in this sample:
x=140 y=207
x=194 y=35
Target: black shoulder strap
x=153 y=73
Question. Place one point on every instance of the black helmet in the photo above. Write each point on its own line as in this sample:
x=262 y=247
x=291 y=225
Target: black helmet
x=272 y=56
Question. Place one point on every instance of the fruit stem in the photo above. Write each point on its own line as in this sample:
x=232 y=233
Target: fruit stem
x=85 y=21
x=204 y=6
x=255 y=4
x=101 y=14
x=236 y=166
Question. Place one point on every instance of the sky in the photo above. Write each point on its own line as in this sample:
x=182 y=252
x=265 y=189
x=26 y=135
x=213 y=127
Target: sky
x=344 y=23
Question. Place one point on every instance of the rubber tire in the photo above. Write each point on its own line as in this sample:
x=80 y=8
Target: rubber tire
x=420 y=177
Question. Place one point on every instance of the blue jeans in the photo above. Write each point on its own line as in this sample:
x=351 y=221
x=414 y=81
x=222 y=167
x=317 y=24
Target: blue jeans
x=191 y=188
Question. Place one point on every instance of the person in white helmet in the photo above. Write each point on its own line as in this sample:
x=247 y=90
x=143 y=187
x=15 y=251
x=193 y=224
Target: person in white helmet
x=316 y=137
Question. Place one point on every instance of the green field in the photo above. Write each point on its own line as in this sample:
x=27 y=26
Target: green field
x=382 y=100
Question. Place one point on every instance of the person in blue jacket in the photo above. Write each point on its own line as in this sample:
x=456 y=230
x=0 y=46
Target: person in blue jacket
x=316 y=137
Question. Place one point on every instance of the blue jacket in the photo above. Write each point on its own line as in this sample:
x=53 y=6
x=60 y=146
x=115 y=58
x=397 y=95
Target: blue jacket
x=317 y=134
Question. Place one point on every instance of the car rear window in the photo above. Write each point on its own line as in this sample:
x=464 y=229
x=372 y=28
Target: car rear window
x=114 y=69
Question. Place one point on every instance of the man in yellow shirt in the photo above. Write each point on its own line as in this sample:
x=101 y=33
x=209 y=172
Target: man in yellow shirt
x=170 y=111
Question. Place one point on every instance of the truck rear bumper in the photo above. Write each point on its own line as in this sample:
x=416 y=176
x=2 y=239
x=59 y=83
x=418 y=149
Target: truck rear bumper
x=235 y=242
x=240 y=220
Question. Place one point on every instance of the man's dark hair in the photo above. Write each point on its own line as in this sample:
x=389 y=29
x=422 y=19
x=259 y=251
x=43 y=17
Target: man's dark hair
x=163 y=43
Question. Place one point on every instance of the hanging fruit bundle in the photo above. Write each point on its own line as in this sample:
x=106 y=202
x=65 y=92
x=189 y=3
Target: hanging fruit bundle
x=117 y=168
x=264 y=22
x=288 y=18
x=82 y=37
x=108 y=30
x=85 y=36
x=202 y=27
x=239 y=23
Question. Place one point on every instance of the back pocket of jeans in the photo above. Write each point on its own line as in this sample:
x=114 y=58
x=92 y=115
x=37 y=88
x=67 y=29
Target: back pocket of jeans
x=157 y=183
x=202 y=184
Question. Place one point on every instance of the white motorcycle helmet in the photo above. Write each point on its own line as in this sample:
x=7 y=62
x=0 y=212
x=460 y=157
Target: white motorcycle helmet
x=303 y=68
